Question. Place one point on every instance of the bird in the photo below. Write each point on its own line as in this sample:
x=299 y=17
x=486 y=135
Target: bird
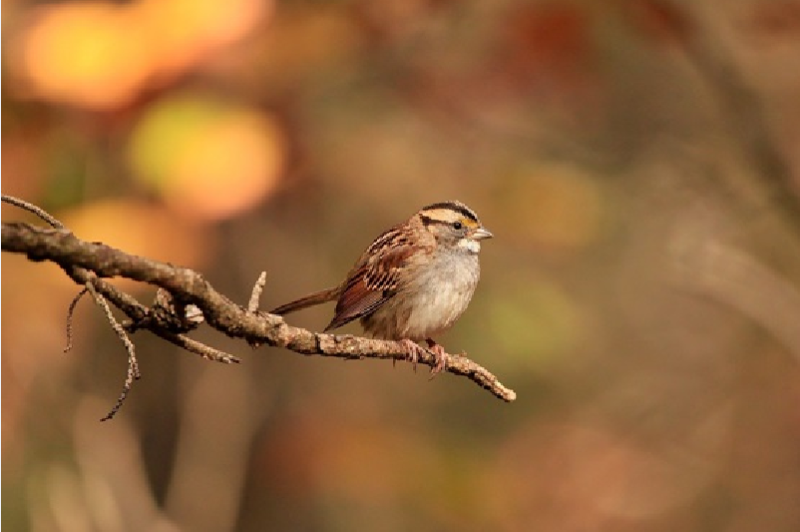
x=413 y=281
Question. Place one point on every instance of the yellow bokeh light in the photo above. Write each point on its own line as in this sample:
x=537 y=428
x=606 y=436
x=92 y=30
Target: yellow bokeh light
x=186 y=30
x=208 y=159
x=101 y=55
x=85 y=53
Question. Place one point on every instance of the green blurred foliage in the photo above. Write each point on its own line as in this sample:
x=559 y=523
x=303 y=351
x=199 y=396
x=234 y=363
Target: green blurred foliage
x=636 y=160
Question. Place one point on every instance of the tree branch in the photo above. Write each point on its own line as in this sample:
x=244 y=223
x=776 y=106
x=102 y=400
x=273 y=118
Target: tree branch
x=83 y=260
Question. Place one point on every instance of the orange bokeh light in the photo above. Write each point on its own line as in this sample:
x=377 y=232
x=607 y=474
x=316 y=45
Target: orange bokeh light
x=207 y=159
x=100 y=55
x=84 y=53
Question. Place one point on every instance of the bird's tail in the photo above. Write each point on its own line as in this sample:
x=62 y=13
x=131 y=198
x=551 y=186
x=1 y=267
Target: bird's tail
x=317 y=298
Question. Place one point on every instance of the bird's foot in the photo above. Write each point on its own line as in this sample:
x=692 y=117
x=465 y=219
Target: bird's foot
x=413 y=350
x=439 y=354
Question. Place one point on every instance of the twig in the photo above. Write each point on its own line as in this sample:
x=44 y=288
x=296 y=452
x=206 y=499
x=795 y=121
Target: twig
x=38 y=211
x=198 y=348
x=70 y=314
x=133 y=372
x=258 y=288
x=252 y=306
x=143 y=318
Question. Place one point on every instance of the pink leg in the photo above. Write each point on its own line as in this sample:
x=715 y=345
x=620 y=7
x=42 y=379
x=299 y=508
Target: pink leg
x=413 y=351
x=441 y=357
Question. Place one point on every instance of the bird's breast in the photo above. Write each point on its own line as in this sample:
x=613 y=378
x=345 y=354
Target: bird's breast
x=433 y=299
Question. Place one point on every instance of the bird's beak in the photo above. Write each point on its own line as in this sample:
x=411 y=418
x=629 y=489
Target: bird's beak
x=481 y=233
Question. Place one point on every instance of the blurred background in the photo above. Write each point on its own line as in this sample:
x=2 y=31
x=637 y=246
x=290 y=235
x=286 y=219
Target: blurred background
x=637 y=160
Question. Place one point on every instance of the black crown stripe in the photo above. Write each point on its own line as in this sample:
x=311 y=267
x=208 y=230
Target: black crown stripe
x=453 y=206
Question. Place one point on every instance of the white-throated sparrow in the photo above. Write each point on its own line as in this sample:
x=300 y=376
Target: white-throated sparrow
x=413 y=281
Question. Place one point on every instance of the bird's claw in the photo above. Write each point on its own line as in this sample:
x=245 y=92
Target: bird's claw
x=440 y=355
x=412 y=352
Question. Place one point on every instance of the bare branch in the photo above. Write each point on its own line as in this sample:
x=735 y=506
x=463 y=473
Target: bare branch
x=70 y=314
x=77 y=256
x=198 y=348
x=258 y=288
x=38 y=211
x=255 y=297
x=133 y=372
x=144 y=318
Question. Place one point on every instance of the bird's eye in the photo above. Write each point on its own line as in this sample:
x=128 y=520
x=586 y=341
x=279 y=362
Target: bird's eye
x=458 y=226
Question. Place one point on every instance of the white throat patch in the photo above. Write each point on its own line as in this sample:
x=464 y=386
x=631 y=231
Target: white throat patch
x=468 y=244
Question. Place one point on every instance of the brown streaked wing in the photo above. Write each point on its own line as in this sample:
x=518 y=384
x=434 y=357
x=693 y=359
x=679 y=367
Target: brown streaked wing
x=375 y=281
